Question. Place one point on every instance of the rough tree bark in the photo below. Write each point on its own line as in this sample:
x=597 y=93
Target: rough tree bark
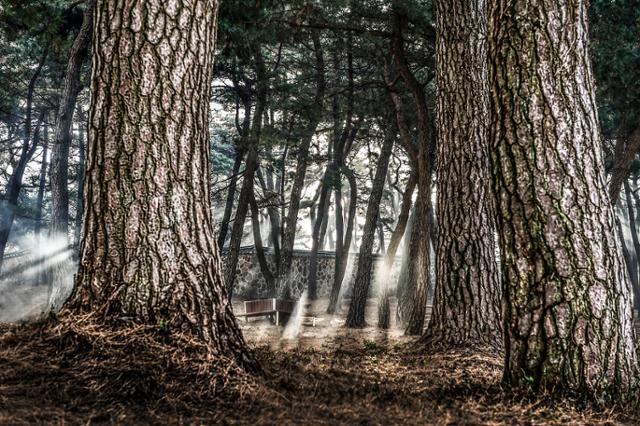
x=466 y=304
x=567 y=301
x=148 y=250
x=59 y=225
x=356 y=314
x=418 y=273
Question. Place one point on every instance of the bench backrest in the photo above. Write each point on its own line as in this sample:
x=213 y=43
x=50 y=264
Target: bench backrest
x=268 y=305
x=257 y=306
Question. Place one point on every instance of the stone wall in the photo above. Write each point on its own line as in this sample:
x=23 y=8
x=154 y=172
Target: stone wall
x=250 y=283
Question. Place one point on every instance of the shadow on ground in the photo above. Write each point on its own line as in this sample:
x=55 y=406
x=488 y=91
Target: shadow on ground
x=71 y=370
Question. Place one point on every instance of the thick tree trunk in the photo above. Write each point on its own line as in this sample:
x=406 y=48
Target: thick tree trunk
x=356 y=314
x=59 y=225
x=148 y=250
x=567 y=299
x=466 y=305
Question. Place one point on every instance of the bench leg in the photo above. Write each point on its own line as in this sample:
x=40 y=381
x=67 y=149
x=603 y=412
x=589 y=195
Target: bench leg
x=277 y=318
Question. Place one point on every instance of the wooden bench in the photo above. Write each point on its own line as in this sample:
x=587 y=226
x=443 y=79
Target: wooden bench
x=273 y=308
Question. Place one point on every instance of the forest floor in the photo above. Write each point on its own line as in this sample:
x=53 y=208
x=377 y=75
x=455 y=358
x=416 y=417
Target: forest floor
x=73 y=371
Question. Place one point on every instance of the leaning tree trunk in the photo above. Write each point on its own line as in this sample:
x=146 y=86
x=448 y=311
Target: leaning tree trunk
x=466 y=304
x=342 y=261
x=315 y=115
x=9 y=205
x=148 y=250
x=384 y=304
x=356 y=314
x=59 y=225
x=233 y=179
x=251 y=165
x=567 y=298
x=402 y=287
x=419 y=270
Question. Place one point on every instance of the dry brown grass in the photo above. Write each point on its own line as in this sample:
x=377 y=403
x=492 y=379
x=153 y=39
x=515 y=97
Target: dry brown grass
x=74 y=371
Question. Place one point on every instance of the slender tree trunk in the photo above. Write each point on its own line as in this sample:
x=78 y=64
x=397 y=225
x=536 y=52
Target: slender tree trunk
x=80 y=174
x=59 y=225
x=384 y=305
x=268 y=188
x=148 y=249
x=257 y=238
x=356 y=314
x=419 y=269
x=342 y=261
x=14 y=186
x=316 y=237
x=42 y=182
x=381 y=246
x=251 y=166
x=633 y=228
x=291 y=221
x=629 y=148
x=636 y=284
x=466 y=306
x=632 y=265
x=231 y=192
x=403 y=289
x=567 y=299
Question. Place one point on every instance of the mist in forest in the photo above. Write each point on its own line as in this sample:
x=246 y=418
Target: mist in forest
x=26 y=290
x=292 y=329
